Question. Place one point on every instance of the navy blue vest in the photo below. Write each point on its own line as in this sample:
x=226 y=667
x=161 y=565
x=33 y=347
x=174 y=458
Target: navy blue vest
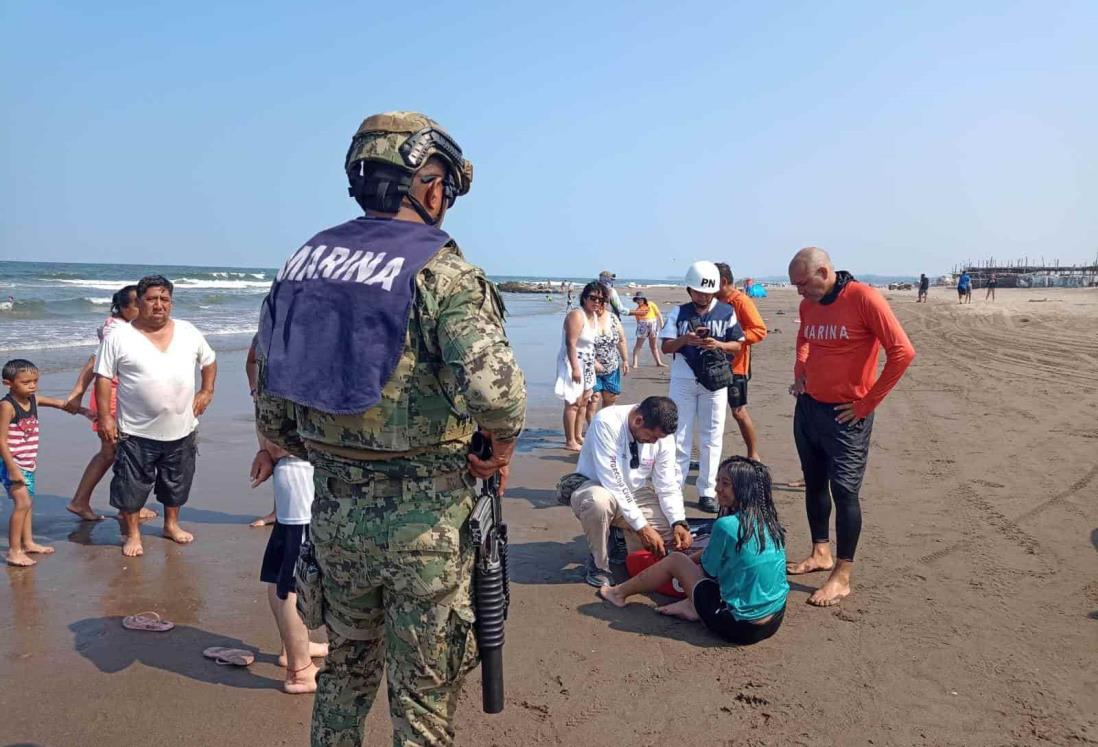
x=722 y=323
x=333 y=325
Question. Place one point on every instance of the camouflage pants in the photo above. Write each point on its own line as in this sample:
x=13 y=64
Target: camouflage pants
x=397 y=568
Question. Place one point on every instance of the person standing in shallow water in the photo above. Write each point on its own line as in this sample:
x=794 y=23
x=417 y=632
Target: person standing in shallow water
x=154 y=360
x=844 y=324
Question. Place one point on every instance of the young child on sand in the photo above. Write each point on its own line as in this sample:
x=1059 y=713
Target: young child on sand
x=19 y=449
x=293 y=496
x=739 y=590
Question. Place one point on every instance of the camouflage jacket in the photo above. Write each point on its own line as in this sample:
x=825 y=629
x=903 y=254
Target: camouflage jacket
x=457 y=371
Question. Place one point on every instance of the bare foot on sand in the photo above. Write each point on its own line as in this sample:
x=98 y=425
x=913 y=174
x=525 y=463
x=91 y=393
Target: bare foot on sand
x=302 y=681
x=811 y=564
x=146 y=513
x=132 y=547
x=795 y=484
x=571 y=446
x=263 y=521
x=40 y=549
x=19 y=559
x=835 y=588
x=611 y=595
x=84 y=512
x=316 y=651
x=831 y=593
x=175 y=533
x=683 y=609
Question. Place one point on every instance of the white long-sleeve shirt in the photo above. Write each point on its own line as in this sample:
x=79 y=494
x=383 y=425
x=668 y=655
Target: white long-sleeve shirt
x=605 y=459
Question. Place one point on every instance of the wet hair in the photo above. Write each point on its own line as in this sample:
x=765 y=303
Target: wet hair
x=758 y=515
x=592 y=288
x=121 y=300
x=659 y=412
x=725 y=272
x=16 y=366
x=154 y=281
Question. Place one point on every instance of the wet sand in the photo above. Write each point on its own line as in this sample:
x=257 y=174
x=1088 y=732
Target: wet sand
x=974 y=618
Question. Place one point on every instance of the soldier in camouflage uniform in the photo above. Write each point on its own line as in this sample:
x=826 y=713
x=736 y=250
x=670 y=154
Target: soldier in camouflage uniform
x=394 y=482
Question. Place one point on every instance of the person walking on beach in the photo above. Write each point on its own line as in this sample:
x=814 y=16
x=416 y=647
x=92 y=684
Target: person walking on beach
x=123 y=311
x=649 y=323
x=19 y=434
x=626 y=477
x=992 y=284
x=702 y=324
x=924 y=286
x=576 y=362
x=154 y=359
x=754 y=332
x=844 y=324
x=390 y=298
x=964 y=288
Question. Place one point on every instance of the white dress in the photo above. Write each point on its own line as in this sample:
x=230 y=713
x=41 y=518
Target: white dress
x=566 y=388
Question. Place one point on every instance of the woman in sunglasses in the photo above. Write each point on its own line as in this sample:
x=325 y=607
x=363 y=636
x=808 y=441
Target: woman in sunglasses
x=576 y=362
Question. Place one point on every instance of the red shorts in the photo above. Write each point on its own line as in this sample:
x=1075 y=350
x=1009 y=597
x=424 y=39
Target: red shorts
x=94 y=407
x=638 y=560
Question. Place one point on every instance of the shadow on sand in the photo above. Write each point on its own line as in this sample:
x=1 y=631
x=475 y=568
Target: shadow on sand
x=112 y=648
x=644 y=620
x=547 y=562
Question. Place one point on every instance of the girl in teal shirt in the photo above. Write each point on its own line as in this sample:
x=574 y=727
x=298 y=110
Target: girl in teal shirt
x=737 y=586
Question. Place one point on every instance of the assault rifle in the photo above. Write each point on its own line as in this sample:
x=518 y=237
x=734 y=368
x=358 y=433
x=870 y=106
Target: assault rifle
x=491 y=590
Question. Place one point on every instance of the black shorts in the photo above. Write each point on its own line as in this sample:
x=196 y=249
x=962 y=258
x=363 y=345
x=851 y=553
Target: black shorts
x=737 y=391
x=281 y=556
x=140 y=464
x=716 y=616
x=828 y=448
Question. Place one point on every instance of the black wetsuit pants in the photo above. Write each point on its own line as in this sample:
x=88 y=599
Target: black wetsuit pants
x=833 y=458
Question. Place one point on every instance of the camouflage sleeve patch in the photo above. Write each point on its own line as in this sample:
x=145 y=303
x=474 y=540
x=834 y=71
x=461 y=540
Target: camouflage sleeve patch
x=475 y=347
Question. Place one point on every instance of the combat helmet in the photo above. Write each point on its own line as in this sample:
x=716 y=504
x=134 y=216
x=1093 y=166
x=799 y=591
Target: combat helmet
x=386 y=152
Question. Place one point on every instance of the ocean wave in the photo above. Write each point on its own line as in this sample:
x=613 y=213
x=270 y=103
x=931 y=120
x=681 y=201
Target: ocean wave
x=187 y=283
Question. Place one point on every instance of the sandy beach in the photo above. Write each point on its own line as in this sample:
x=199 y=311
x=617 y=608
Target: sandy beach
x=974 y=620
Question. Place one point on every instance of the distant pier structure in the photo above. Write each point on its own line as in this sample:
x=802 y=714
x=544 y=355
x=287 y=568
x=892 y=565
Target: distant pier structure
x=1021 y=274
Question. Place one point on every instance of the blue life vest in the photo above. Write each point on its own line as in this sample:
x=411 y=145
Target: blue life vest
x=333 y=325
x=721 y=321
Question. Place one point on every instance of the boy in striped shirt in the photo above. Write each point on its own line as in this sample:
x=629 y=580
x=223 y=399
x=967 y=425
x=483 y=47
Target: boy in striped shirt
x=19 y=449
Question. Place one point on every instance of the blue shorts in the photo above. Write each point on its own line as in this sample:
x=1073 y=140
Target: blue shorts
x=28 y=477
x=610 y=382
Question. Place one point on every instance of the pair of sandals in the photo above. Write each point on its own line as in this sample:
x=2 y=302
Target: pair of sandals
x=152 y=622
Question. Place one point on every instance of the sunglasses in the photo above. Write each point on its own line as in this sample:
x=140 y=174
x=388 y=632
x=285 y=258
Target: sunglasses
x=596 y=299
x=634 y=456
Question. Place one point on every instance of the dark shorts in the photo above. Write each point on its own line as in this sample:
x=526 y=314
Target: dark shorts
x=610 y=382
x=141 y=464
x=826 y=446
x=737 y=391
x=716 y=616
x=962 y=291
x=281 y=556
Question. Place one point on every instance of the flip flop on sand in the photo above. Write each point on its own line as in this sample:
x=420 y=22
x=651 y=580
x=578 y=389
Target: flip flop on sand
x=237 y=657
x=150 y=621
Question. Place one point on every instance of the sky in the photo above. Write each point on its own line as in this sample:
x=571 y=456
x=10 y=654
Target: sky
x=635 y=137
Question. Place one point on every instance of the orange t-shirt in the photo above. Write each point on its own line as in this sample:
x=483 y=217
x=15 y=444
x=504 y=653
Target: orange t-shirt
x=754 y=329
x=837 y=346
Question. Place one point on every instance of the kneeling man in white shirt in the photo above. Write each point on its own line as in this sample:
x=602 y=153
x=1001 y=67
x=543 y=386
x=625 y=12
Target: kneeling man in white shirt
x=628 y=458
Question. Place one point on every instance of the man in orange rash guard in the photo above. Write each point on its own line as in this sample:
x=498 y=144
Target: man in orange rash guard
x=754 y=332
x=844 y=324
